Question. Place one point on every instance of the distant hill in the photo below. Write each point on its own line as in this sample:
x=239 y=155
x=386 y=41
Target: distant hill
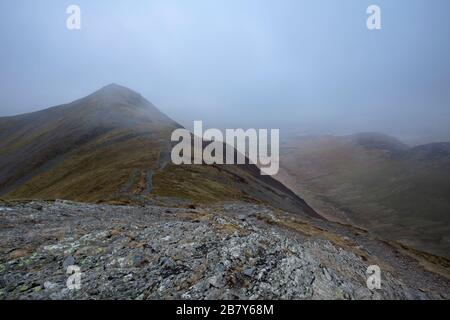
x=114 y=145
x=375 y=140
x=376 y=182
x=431 y=152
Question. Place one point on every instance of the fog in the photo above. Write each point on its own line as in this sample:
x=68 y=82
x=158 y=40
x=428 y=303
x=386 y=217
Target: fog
x=302 y=66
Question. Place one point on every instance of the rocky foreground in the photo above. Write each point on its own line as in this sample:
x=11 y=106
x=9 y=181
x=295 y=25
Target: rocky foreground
x=227 y=251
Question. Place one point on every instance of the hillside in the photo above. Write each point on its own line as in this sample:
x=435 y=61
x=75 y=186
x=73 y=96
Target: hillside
x=114 y=146
x=376 y=182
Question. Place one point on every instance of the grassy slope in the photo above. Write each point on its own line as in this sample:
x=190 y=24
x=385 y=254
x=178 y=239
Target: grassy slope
x=93 y=171
x=114 y=146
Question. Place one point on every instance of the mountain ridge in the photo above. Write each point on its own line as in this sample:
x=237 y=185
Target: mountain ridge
x=115 y=145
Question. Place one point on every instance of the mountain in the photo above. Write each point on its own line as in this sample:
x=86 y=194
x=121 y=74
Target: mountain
x=114 y=145
x=139 y=227
x=374 y=181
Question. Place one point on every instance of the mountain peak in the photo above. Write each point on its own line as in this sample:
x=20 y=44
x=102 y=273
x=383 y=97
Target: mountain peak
x=116 y=91
x=116 y=104
x=114 y=97
x=115 y=87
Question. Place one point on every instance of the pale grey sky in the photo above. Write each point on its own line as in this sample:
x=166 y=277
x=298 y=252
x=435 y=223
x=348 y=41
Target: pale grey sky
x=311 y=65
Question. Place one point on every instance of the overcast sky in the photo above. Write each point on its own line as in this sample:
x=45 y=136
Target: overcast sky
x=311 y=65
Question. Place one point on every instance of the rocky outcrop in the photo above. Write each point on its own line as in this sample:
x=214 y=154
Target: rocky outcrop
x=229 y=251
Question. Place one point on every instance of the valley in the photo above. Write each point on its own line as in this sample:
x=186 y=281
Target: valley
x=374 y=181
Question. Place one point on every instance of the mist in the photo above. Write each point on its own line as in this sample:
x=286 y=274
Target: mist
x=306 y=67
